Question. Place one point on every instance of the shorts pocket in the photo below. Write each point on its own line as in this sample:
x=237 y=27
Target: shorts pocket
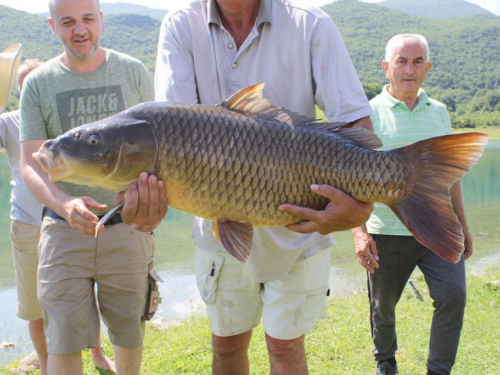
x=208 y=266
x=315 y=306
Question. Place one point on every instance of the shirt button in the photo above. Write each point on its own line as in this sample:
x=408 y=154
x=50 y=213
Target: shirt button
x=235 y=65
x=230 y=46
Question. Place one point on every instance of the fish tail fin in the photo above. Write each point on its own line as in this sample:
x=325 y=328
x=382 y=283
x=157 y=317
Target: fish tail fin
x=428 y=212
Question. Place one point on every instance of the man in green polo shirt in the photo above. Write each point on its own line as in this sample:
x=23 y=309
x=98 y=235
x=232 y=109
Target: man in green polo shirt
x=404 y=114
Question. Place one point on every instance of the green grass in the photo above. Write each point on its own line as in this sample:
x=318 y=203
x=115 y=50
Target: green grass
x=341 y=343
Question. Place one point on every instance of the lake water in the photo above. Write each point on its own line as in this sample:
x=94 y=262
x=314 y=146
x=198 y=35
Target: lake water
x=175 y=253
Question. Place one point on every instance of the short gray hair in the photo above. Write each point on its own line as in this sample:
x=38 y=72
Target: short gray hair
x=415 y=37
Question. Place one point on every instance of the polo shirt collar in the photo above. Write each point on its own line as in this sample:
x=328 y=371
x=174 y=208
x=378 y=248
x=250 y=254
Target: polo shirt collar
x=391 y=101
x=263 y=16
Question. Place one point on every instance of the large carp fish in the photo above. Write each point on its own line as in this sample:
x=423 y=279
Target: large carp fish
x=236 y=162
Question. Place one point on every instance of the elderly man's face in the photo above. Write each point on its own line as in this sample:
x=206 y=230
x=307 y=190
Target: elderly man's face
x=407 y=69
x=78 y=24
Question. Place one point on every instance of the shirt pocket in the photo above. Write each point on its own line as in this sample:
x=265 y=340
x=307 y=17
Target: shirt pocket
x=208 y=267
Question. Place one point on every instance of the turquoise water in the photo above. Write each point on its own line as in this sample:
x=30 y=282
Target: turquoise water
x=174 y=257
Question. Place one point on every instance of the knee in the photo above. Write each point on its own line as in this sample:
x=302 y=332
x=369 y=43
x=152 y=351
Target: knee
x=231 y=345
x=460 y=294
x=280 y=348
x=453 y=297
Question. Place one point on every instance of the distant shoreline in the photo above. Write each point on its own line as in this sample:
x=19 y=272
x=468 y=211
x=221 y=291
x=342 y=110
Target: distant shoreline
x=492 y=131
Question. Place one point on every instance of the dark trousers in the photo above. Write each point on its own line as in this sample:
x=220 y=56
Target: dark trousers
x=399 y=255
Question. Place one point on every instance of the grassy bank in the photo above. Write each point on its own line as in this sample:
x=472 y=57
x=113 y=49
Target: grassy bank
x=341 y=343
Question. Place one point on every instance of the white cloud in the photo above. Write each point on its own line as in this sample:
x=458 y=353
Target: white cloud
x=491 y=5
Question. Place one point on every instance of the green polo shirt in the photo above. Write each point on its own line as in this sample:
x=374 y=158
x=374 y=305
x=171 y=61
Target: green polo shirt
x=397 y=126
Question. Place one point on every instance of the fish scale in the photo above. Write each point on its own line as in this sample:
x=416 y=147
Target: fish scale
x=290 y=160
x=237 y=162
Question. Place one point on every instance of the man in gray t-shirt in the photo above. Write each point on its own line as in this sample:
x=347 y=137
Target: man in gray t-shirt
x=87 y=82
x=25 y=222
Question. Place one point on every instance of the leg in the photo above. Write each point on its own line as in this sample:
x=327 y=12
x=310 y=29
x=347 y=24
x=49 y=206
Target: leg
x=234 y=306
x=231 y=354
x=292 y=306
x=122 y=287
x=66 y=294
x=447 y=289
x=98 y=357
x=100 y=360
x=398 y=258
x=287 y=356
x=24 y=239
x=37 y=336
x=65 y=364
x=128 y=361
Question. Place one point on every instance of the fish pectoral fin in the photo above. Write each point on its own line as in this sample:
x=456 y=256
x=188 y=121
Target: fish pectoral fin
x=236 y=238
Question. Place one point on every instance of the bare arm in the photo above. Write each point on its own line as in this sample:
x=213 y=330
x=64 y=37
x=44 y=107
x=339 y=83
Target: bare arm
x=364 y=122
x=458 y=207
x=341 y=213
x=73 y=209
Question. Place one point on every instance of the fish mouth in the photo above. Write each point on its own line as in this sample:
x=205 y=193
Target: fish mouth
x=54 y=166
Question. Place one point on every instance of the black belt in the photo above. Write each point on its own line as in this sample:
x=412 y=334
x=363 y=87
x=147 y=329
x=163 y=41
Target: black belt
x=115 y=219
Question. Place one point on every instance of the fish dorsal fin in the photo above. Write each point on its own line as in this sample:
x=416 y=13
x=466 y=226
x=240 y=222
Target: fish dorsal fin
x=236 y=238
x=359 y=137
x=250 y=100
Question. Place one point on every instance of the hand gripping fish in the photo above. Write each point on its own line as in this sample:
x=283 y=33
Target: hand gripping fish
x=236 y=162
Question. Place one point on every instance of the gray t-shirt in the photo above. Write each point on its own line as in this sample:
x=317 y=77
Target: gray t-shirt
x=24 y=206
x=55 y=99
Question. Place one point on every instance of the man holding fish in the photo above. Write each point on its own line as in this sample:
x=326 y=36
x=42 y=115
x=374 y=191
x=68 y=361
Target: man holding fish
x=209 y=50
x=389 y=252
x=85 y=83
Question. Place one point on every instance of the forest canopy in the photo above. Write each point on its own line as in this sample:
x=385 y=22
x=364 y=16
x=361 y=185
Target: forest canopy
x=465 y=51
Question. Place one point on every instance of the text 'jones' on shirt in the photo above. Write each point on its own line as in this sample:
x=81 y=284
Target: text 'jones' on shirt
x=82 y=106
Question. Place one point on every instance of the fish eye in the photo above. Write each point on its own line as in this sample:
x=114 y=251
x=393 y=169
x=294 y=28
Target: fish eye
x=93 y=140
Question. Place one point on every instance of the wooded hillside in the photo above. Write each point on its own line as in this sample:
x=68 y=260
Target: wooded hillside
x=465 y=51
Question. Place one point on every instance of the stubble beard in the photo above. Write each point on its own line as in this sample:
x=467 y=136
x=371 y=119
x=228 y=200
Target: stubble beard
x=80 y=56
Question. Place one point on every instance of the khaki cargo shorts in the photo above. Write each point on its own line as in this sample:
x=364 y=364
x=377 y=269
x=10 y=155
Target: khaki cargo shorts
x=71 y=263
x=289 y=307
x=24 y=238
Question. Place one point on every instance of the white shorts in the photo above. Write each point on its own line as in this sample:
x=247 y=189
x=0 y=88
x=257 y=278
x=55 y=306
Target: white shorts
x=289 y=307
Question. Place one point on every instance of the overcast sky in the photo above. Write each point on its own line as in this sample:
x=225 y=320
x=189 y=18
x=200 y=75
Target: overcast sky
x=40 y=6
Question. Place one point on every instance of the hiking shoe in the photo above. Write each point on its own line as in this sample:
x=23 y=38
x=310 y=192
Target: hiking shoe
x=385 y=368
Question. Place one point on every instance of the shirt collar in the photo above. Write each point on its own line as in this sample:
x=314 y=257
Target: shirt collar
x=392 y=101
x=263 y=16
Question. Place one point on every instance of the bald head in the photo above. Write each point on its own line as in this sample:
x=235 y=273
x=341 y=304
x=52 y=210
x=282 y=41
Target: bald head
x=53 y=4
